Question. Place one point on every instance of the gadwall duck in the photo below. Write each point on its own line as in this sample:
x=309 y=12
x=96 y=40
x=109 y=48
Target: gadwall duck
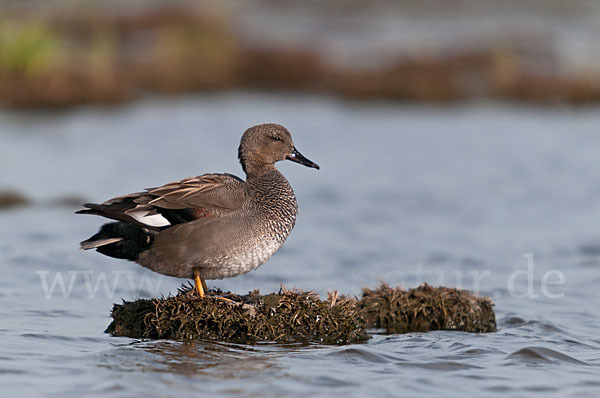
x=212 y=226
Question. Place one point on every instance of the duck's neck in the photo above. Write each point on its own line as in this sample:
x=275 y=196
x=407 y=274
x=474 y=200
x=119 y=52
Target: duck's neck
x=256 y=169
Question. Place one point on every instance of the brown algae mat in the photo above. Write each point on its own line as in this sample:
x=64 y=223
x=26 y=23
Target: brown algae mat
x=426 y=308
x=292 y=316
x=286 y=317
x=73 y=55
x=9 y=198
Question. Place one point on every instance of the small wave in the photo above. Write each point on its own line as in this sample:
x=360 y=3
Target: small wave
x=53 y=313
x=441 y=365
x=329 y=381
x=512 y=321
x=54 y=337
x=479 y=352
x=355 y=354
x=590 y=249
x=46 y=337
x=542 y=355
x=4 y=371
x=540 y=325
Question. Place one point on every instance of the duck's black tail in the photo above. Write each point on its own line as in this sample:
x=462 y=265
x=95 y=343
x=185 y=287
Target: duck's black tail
x=120 y=240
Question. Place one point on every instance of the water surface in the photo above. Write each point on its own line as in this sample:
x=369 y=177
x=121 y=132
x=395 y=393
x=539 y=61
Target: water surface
x=467 y=195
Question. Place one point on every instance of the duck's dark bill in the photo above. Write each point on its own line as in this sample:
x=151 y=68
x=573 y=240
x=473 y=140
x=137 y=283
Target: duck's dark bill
x=297 y=157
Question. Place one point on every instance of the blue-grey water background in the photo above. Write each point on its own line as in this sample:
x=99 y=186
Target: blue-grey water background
x=406 y=194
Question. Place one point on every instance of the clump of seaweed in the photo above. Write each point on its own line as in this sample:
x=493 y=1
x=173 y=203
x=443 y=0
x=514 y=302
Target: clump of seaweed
x=64 y=56
x=293 y=316
x=10 y=198
x=287 y=317
x=426 y=308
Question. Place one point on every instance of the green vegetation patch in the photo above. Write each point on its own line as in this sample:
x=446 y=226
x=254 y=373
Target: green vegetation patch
x=28 y=48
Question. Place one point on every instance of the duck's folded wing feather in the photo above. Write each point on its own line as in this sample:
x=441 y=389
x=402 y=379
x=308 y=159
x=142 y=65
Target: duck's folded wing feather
x=205 y=196
x=211 y=191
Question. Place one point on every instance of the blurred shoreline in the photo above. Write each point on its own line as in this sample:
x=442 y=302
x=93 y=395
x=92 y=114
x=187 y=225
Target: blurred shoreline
x=59 y=54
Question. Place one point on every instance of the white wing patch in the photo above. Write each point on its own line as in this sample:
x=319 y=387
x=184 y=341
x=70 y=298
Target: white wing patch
x=154 y=220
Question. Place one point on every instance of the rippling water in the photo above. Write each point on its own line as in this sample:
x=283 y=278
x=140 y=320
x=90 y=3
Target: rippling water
x=494 y=197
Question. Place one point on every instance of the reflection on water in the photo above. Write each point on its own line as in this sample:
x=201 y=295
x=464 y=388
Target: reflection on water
x=405 y=194
x=191 y=358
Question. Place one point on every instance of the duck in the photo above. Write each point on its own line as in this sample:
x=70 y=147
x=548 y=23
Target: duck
x=212 y=226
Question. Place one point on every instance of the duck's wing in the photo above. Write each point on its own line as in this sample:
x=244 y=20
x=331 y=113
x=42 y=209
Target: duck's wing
x=205 y=196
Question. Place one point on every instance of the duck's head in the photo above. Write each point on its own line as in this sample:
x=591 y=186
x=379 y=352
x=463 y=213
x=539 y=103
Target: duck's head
x=263 y=145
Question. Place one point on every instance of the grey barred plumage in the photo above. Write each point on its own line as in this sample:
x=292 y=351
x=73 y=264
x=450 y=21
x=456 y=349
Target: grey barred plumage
x=212 y=226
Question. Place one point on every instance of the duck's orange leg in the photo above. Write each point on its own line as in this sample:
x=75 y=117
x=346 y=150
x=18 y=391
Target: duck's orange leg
x=202 y=289
x=200 y=284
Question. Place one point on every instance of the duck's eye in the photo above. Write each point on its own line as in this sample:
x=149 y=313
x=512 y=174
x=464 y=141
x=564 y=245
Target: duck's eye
x=274 y=138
